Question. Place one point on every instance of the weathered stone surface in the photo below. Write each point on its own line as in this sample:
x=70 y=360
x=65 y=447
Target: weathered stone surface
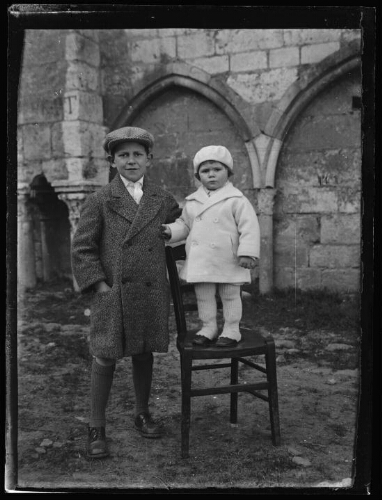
x=341 y=280
x=213 y=64
x=80 y=48
x=286 y=56
x=266 y=86
x=36 y=141
x=153 y=51
x=79 y=105
x=341 y=228
x=315 y=53
x=231 y=41
x=335 y=256
x=310 y=36
x=248 y=61
x=195 y=45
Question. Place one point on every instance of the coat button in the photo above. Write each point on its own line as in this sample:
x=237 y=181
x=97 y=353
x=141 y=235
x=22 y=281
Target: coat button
x=148 y=283
x=126 y=280
x=216 y=220
x=198 y=218
x=194 y=243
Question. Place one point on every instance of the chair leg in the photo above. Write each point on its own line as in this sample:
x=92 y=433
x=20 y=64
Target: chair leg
x=234 y=395
x=270 y=359
x=186 y=365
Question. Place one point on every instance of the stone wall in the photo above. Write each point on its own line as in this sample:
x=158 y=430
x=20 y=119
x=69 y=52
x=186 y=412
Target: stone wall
x=229 y=86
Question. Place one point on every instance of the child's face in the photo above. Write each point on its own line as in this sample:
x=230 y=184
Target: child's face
x=131 y=160
x=213 y=174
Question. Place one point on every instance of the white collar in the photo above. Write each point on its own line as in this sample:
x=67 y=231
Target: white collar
x=131 y=183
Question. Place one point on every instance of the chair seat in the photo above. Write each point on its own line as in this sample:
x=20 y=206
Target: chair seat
x=252 y=342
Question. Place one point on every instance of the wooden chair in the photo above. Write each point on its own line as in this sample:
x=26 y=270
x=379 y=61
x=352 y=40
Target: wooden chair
x=252 y=344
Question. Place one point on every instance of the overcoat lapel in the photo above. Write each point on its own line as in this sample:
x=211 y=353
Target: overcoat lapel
x=123 y=204
x=147 y=209
x=121 y=201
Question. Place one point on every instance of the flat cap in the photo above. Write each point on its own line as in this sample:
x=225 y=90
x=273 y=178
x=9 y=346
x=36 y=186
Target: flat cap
x=132 y=134
x=214 y=153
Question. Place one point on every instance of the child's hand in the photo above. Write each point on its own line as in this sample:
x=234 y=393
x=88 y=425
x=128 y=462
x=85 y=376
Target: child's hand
x=166 y=232
x=101 y=286
x=247 y=262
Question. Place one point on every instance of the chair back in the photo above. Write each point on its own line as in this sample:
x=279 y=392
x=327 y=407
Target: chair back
x=175 y=254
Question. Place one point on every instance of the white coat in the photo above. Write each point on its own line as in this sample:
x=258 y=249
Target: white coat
x=219 y=229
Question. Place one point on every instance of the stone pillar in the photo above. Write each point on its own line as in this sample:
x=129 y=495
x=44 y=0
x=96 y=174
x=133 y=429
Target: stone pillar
x=26 y=269
x=73 y=196
x=265 y=200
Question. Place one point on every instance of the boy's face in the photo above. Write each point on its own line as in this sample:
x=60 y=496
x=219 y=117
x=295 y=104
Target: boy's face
x=213 y=174
x=131 y=160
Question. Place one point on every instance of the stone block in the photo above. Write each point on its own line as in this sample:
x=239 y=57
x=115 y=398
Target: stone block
x=229 y=41
x=309 y=200
x=308 y=278
x=81 y=76
x=326 y=133
x=335 y=256
x=79 y=105
x=310 y=36
x=80 y=48
x=290 y=253
x=284 y=277
x=286 y=56
x=248 y=61
x=55 y=169
x=35 y=108
x=27 y=171
x=350 y=35
x=195 y=45
x=76 y=138
x=213 y=65
x=50 y=43
x=157 y=50
x=349 y=200
x=344 y=229
x=267 y=86
x=344 y=281
x=36 y=141
x=311 y=54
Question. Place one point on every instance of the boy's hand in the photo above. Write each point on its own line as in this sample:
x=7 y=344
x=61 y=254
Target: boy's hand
x=166 y=232
x=247 y=262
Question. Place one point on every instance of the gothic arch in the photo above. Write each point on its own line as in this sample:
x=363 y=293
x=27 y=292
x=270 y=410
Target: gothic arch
x=310 y=83
x=192 y=78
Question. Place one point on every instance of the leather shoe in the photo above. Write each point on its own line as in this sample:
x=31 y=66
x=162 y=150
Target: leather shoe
x=146 y=426
x=226 y=342
x=97 y=447
x=201 y=340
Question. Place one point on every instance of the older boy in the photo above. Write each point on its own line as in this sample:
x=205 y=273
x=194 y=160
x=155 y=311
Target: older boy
x=118 y=253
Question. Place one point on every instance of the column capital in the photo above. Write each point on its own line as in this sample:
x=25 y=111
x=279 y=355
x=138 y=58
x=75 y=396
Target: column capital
x=265 y=201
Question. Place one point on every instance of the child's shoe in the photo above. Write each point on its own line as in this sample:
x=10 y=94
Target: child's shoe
x=96 y=446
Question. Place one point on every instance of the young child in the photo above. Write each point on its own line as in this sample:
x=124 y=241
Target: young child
x=222 y=245
x=118 y=253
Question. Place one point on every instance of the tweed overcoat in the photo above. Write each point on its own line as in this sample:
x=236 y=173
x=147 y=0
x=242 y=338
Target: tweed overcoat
x=219 y=229
x=119 y=242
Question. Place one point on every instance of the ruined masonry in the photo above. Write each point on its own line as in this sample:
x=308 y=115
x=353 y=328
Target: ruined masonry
x=286 y=103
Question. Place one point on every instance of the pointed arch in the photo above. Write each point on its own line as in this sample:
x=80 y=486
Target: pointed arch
x=197 y=80
x=309 y=84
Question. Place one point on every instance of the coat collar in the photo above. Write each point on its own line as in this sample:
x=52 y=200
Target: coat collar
x=139 y=215
x=227 y=191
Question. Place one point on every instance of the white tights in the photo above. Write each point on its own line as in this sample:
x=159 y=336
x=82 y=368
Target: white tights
x=207 y=308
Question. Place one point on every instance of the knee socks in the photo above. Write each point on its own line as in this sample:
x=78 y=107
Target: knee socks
x=232 y=310
x=142 y=378
x=101 y=381
x=207 y=309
